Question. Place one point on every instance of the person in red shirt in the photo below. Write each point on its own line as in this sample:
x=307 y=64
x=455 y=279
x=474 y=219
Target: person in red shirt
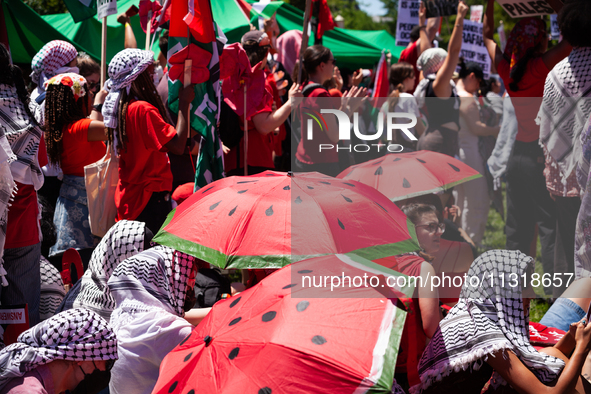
x=523 y=67
x=421 y=37
x=137 y=124
x=72 y=142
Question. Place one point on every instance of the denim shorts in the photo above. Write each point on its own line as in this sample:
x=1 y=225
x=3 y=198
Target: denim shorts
x=562 y=313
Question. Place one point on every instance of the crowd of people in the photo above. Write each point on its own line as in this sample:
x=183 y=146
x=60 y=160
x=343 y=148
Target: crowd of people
x=528 y=126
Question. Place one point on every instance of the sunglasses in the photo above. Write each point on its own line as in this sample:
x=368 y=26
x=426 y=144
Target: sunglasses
x=433 y=227
x=333 y=60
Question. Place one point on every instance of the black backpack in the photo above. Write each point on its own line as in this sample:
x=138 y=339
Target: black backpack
x=210 y=284
x=230 y=131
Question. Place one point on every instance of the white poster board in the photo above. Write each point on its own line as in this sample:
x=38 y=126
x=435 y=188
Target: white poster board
x=473 y=49
x=476 y=12
x=523 y=8
x=105 y=8
x=408 y=17
x=555 y=31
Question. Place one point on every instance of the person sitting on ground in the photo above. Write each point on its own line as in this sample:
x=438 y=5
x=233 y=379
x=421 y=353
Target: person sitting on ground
x=125 y=239
x=152 y=291
x=485 y=335
x=72 y=351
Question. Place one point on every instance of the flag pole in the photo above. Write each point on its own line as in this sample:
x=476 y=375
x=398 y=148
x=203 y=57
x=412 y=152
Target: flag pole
x=245 y=135
x=104 y=53
x=304 y=45
x=148 y=30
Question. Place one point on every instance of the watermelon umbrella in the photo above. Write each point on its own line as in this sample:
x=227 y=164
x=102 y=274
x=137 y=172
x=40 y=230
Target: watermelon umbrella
x=404 y=175
x=281 y=337
x=272 y=219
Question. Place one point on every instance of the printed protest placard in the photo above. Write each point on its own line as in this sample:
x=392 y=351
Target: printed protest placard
x=473 y=49
x=522 y=8
x=441 y=8
x=555 y=31
x=408 y=17
x=105 y=8
x=476 y=12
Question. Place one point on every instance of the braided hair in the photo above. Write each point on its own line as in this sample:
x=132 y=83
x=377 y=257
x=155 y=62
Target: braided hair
x=12 y=75
x=143 y=89
x=61 y=109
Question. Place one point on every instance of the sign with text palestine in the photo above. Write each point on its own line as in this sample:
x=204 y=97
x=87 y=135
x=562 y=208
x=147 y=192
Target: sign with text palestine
x=523 y=8
x=408 y=17
x=473 y=49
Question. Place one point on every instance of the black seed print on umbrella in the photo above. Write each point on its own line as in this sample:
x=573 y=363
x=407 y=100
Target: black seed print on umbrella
x=421 y=161
x=267 y=317
x=349 y=184
x=173 y=386
x=381 y=206
x=289 y=286
x=237 y=300
x=302 y=305
x=188 y=357
x=265 y=390
x=379 y=171
x=234 y=353
x=341 y=224
x=456 y=169
x=304 y=271
x=405 y=183
x=191 y=392
x=286 y=187
x=350 y=172
x=318 y=340
x=397 y=159
x=185 y=340
x=269 y=211
x=207 y=340
x=232 y=211
x=310 y=187
x=245 y=182
x=208 y=189
x=298 y=200
x=242 y=191
x=235 y=321
x=214 y=206
x=347 y=198
x=378 y=162
x=326 y=183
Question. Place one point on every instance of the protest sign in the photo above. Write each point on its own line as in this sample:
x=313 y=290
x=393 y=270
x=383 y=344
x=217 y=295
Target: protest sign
x=473 y=49
x=106 y=8
x=476 y=12
x=408 y=17
x=521 y=9
x=555 y=31
x=441 y=8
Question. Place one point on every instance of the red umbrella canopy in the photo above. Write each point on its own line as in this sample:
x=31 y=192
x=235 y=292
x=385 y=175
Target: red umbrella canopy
x=403 y=175
x=282 y=337
x=272 y=219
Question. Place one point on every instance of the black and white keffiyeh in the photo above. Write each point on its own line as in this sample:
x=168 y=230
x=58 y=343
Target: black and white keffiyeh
x=74 y=335
x=488 y=317
x=52 y=289
x=156 y=278
x=125 y=239
x=123 y=70
x=566 y=108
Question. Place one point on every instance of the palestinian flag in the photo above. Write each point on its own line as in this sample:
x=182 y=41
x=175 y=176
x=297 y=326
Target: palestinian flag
x=193 y=35
x=382 y=83
x=258 y=11
x=81 y=9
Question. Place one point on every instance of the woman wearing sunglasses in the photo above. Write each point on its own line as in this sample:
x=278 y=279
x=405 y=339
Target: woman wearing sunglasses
x=423 y=309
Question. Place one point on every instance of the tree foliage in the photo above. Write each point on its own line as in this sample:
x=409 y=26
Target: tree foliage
x=354 y=17
x=45 y=7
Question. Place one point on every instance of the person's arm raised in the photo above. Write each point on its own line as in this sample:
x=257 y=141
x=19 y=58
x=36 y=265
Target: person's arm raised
x=488 y=33
x=177 y=144
x=510 y=367
x=424 y=41
x=556 y=54
x=266 y=122
x=441 y=85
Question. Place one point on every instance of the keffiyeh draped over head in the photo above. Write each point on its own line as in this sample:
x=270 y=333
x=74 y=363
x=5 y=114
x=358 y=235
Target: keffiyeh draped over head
x=52 y=289
x=431 y=61
x=125 y=239
x=123 y=70
x=486 y=319
x=527 y=33
x=155 y=278
x=53 y=56
x=74 y=335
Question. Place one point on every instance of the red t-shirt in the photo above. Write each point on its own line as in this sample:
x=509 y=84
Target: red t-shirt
x=409 y=55
x=528 y=98
x=77 y=150
x=309 y=150
x=22 y=227
x=144 y=167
